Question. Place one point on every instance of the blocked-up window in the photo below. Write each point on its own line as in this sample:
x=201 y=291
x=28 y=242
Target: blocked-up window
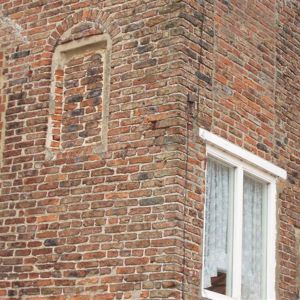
x=80 y=95
x=240 y=223
x=82 y=107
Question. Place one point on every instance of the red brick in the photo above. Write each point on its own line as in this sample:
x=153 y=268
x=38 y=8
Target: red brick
x=81 y=212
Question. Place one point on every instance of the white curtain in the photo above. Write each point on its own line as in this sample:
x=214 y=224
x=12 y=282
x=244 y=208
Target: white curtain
x=252 y=253
x=216 y=221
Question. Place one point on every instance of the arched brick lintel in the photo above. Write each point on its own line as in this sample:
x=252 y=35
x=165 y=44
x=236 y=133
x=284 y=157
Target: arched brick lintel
x=103 y=21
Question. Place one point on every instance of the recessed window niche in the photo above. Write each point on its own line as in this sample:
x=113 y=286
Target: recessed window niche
x=79 y=96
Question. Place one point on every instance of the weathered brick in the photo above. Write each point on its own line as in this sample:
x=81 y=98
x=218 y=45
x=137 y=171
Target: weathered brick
x=20 y=54
x=95 y=166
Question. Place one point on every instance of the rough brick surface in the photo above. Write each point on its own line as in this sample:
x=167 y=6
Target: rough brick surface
x=81 y=221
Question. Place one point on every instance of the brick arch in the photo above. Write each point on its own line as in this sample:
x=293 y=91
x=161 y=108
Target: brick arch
x=101 y=20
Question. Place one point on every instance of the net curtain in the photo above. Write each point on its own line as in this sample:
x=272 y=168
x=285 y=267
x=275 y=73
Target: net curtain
x=216 y=255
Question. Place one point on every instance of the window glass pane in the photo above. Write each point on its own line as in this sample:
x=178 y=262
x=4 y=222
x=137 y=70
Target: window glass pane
x=218 y=206
x=253 y=239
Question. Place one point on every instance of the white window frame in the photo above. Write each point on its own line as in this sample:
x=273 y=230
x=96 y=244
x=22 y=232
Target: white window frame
x=244 y=161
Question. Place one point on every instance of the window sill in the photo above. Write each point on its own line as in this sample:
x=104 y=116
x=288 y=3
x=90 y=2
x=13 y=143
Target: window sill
x=215 y=296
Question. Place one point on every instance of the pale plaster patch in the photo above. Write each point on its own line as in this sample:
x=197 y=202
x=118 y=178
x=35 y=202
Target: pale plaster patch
x=16 y=28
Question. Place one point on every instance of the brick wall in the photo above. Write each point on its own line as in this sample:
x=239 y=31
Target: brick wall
x=248 y=72
x=287 y=142
x=2 y=104
x=103 y=172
